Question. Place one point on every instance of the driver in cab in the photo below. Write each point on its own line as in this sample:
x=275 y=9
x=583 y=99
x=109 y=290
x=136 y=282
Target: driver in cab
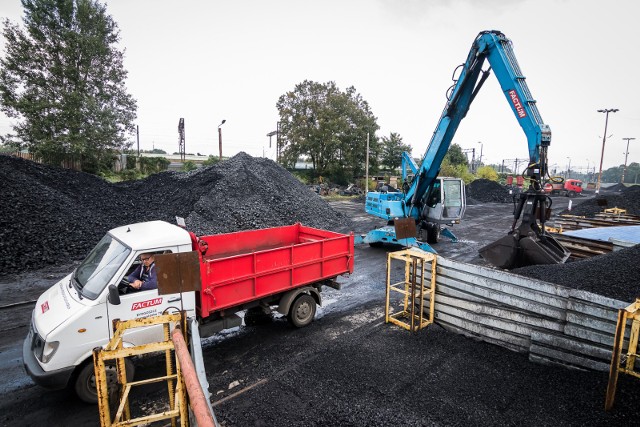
x=144 y=277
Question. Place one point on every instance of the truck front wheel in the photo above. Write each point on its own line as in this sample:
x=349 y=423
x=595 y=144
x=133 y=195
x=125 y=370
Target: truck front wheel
x=85 y=385
x=302 y=311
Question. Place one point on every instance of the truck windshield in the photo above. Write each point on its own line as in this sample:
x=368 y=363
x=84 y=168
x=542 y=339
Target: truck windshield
x=93 y=274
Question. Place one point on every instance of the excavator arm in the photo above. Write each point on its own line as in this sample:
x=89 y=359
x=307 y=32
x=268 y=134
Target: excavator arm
x=527 y=243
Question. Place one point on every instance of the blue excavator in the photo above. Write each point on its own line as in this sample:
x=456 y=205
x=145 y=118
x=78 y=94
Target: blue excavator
x=416 y=215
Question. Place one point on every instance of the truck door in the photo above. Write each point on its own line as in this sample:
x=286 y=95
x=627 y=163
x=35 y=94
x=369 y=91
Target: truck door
x=141 y=304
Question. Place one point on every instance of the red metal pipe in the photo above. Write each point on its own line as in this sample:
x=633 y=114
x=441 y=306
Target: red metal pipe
x=198 y=401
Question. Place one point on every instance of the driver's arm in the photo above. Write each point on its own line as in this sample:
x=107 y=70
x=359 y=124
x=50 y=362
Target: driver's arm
x=151 y=282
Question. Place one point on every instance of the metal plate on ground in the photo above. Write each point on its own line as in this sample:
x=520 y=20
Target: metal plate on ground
x=405 y=228
x=178 y=272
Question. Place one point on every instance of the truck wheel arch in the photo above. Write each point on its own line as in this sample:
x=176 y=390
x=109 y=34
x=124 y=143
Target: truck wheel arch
x=83 y=380
x=287 y=298
x=86 y=363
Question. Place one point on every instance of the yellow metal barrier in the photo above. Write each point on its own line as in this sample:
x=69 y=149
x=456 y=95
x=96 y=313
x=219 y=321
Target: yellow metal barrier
x=178 y=405
x=553 y=229
x=624 y=363
x=616 y=211
x=418 y=284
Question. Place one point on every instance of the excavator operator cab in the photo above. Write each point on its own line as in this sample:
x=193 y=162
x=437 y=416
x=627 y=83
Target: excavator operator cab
x=446 y=201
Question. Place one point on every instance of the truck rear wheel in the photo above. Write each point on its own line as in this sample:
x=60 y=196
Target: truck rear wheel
x=85 y=384
x=302 y=311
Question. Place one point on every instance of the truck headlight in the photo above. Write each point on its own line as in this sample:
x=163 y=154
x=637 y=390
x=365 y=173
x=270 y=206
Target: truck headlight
x=48 y=350
x=43 y=350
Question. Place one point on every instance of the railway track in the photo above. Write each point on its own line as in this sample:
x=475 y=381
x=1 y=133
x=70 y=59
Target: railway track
x=17 y=304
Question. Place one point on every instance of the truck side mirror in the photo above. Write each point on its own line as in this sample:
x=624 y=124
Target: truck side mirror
x=114 y=295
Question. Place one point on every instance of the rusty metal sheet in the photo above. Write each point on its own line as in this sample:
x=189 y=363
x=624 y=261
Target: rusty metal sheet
x=405 y=228
x=178 y=272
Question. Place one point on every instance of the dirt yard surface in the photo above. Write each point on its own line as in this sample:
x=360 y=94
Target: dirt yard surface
x=347 y=367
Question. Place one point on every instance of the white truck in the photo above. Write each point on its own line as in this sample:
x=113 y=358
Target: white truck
x=248 y=270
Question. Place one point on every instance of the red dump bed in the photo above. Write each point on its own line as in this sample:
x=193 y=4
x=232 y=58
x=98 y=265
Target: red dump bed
x=248 y=265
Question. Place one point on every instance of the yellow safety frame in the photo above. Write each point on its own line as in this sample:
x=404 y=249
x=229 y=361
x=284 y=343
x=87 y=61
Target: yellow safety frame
x=178 y=404
x=616 y=211
x=619 y=362
x=413 y=289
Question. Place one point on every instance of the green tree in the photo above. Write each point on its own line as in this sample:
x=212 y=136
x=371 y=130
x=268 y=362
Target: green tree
x=456 y=156
x=391 y=149
x=457 y=171
x=63 y=79
x=189 y=165
x=211 y=160
x=613 y=174
x=487 y=172
x=329 y=127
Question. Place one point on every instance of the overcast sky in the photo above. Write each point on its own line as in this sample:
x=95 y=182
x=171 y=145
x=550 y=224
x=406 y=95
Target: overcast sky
x=206 y=61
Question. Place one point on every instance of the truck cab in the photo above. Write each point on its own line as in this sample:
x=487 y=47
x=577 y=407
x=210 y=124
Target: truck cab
x=569 y=188
x=75 y=315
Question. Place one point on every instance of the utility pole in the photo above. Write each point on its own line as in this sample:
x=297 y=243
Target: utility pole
x=270 y=134
x=220 y=137
x=604 y=139
x=181 y=140
x=366 y=168
x=138 y=138
x=624 y=171
x=473 y=157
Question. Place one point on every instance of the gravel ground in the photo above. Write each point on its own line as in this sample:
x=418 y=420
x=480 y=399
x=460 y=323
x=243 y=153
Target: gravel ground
x=51 y=215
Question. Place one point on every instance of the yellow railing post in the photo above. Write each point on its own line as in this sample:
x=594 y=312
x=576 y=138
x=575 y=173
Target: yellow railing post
x=632 y=312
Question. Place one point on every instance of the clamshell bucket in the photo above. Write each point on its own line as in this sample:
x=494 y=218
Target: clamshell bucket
x=511 y=251
x=529 y=244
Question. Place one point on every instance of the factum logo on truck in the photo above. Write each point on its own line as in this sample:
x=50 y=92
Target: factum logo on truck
x=516 y=103
x=146 y=304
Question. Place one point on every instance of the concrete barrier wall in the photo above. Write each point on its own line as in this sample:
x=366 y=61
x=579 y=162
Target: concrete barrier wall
x=552 y=323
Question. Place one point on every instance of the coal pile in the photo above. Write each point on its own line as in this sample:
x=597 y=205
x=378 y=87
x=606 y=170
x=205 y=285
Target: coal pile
x=618 y=188
x=257 y=193
x=487 y=191
x=614 y=275
x=51 y=215
x=626 y=198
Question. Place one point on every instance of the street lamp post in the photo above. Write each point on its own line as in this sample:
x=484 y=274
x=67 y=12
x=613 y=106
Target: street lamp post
x=568 y=168
x=624 y=171
x=604 y=139
x=480 y=160
x=220 y=137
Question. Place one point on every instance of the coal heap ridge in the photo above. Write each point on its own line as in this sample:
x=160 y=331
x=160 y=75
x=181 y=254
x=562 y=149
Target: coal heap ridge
x=487 y=191
x=624 y=198
x=614 y=275
x=51 y=215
